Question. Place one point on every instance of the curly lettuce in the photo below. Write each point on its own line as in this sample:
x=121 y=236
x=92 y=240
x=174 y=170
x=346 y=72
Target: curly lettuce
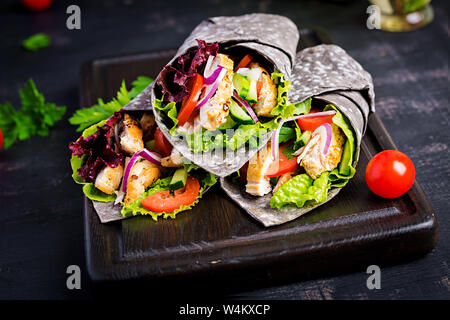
x=301 y=190
x=170 y=110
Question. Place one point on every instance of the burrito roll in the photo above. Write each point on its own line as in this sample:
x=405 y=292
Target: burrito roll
x=226 y=89
x=120 y=164
x=315 y=153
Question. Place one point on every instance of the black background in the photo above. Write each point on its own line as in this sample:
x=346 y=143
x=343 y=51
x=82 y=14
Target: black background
x=41 y=227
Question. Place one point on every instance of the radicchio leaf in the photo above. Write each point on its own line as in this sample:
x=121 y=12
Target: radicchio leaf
x=174 y=78
x=98 y=148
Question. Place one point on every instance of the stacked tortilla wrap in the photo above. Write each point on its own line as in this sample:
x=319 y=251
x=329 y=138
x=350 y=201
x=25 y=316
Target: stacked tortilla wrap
x=272 y=39
x=119 y=167
x=329 y=76
x=324 y=75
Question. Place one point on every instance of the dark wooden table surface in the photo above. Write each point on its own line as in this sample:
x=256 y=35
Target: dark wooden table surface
x=41 y=227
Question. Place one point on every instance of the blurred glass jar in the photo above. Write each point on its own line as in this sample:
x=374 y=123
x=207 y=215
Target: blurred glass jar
x=404 y=15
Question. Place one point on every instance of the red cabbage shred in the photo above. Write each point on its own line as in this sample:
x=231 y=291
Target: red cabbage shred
x=98 y=149
x=174 y=78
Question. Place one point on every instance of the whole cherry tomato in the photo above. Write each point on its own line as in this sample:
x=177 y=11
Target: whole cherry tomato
x=37 y=5
x=390 y=174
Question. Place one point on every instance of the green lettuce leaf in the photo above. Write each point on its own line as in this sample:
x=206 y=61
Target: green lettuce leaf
x=300 y=139
x=286 y=134
x=283 y=107
x=340 y=175
x=301 y=190
x=169 y=110
x=95 y=194
x=204 y=141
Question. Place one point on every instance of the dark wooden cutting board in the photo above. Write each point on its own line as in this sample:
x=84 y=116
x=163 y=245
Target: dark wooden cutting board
x=217 y=238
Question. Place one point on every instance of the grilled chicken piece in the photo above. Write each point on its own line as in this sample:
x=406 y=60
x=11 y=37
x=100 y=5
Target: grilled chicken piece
x=147 y=124
x=131 y=137
x=108 y=179
x=214 y=112
x=257 y=182
x=142 y=175
x=267 y=99
x=175 y=160
x=312 y=158
x=191 y=126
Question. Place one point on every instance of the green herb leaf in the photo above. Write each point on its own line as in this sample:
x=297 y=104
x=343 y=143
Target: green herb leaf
x=139 y=85
x=86 y=117
x=286 y=134
x=34 y=118
x=36 y=42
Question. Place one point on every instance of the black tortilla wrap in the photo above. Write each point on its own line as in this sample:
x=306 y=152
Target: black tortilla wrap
x=108 y=211
x=273 y=37
x=325 y=73
x=326 y=68
x=269 y=30
x=142 y=102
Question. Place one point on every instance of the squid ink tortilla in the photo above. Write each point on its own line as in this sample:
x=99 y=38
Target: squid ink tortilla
x=317 y=152
x=202 y=97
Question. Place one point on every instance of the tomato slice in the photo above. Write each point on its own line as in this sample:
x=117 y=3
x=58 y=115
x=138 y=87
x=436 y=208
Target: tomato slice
x=1 y=139
x=311 y=123
x=259 y=85
x=283 y=165
x=162 y=145
x=390 y=174
x=189 y=103
x=244 y=62
x=163 y=201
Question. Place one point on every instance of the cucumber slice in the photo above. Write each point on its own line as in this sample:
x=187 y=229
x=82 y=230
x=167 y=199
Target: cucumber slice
x=344 y=168
x=241 y=84
x=238 y=114
x=305 y=137
x=230 y=123
x=252 y=94
x=179 y=179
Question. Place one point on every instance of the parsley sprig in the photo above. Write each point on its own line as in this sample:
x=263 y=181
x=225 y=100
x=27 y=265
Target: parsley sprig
x=87 y=117
x=34 y=118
